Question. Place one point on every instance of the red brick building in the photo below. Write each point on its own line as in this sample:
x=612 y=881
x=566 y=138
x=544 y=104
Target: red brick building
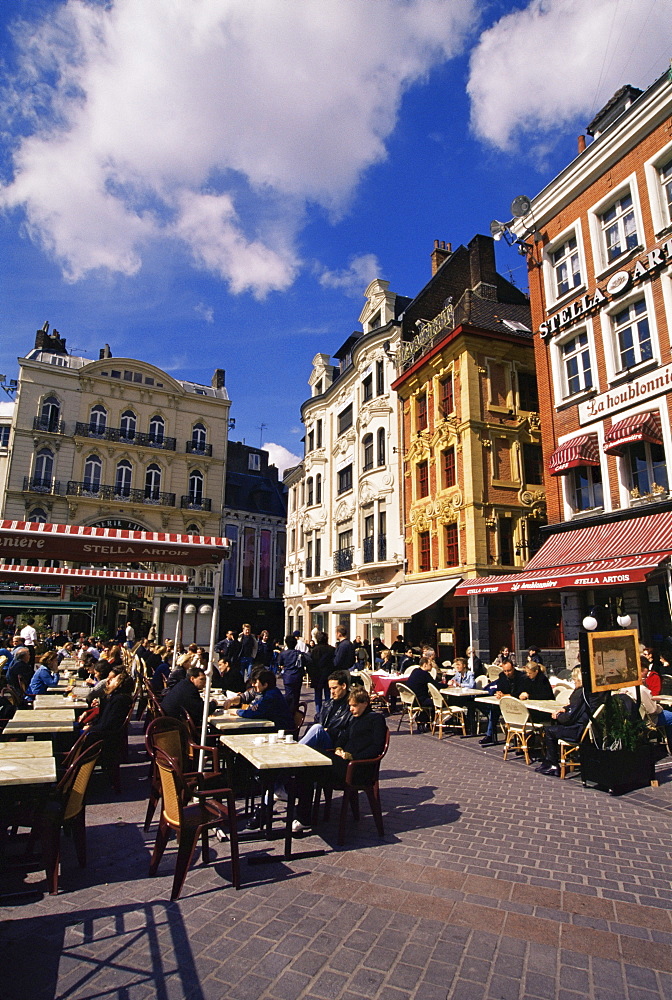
x=599 y=247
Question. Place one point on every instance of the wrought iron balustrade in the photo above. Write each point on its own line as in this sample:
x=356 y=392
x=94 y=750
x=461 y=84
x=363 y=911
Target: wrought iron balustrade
x=35 y=484
x=196 y=503
x=343 y=559
x=125 y=437
x=120 y=494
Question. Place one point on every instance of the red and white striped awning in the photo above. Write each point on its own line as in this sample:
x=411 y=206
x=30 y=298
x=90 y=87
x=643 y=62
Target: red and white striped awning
x=603 y=555
x=638 y=427
x=79 y=543
x=582 y=450
x=63 y=574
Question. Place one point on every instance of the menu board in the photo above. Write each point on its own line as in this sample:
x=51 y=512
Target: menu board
x=614 y=659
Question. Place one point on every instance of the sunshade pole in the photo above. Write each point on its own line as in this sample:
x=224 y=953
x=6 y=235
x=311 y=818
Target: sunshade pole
x=178 y=626
x=373 y=654
x=214 y=628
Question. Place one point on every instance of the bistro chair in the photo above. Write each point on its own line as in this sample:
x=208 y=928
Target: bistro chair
x=299 y=718
x=191 y=820
x=173 y=737
x=378 y=700
x=569 y=749
x=519 y=728
x=410 y=706
x=482 y=681
x=360 y=776
x=452 y=716
x=562 y=695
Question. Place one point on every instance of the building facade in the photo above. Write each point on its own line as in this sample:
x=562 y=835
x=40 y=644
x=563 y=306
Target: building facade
x=471 y=458
x=599 y=246
x=117 y=442
x=345 y=544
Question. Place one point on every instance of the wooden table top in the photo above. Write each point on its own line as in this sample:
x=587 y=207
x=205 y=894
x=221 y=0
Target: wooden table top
x=225 y=722
x=27 y=771
x=280 y=756
x=26 y=748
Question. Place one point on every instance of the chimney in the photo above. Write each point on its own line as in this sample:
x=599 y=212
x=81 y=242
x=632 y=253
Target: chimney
x=50 y=343
x=218 y=379
x=440 y=253
x=581 y=140
x=482 y=267
x=104 y=352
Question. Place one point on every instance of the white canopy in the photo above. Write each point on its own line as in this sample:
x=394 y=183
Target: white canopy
x=410 y=598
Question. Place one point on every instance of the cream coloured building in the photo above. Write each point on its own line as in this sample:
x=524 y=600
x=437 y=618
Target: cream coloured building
x=345 y=545
x=117 y=442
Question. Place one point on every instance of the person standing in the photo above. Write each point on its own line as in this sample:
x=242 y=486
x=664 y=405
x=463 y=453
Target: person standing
x=344 y=657
x=322 y=660
x=29 y=638
x=130 y=636
x=248 y=650
x=294 y=664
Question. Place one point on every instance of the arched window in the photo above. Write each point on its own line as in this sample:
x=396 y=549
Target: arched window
x=98 y=420
x=195 y=486
x=37 y=516
x=310 y=491
x=44 y=468
x=318 y=488
x=367 y=456
x=381 y=446
x=290 y=623
x=93 y=473
x=127 y=425
x=122 y=479
x=198 y=437
x=157 y=429
x=193 y=529
x=152 y=482
x=50 y=414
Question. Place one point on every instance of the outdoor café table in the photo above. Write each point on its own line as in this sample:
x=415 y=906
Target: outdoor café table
x=39 y=722
x=548 y=705
x=228 y=724
x=386 y=684
x=664 y=699
x=273 y=762
x=27 y=771
x=32 y=748
x=43 y=701
x=457 y=696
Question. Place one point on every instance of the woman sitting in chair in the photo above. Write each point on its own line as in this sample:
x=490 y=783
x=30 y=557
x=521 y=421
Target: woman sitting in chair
x=363 y=739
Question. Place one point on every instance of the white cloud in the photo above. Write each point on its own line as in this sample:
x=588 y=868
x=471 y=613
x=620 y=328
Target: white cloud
x=213 y=123
x=537 y=69
x=280 y=457
x=353 y=279
x=207 y=313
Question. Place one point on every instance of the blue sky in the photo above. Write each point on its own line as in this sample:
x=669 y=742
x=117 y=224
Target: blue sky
x=213 y=183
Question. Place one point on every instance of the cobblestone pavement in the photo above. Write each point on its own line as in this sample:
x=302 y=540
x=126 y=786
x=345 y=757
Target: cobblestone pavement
x=492 y=882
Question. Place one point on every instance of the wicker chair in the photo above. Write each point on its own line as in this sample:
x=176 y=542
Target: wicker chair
x=569 y=749
x=410 y=706
x=451 y=716
x=377 y=700
x=191 y=821
x=520 y=730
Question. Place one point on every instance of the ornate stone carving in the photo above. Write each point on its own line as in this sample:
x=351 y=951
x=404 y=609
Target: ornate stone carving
x=344 y=510
x=528 y=498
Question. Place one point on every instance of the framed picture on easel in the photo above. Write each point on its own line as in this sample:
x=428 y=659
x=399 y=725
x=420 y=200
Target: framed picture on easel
x=614 y=659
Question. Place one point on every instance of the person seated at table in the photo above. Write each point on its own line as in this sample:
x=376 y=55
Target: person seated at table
x=19 y=671
x=534 y=653
x=464 y=677
x=270 y=706
x=569 y=724
x=651 y=677
x=465 y=680
x=536 y=686
x=159 y=678
x=108 y=726
x=230 y=677
x=334 y=715
x=66 y=652
x=185 y=696
x=399 y=645
x=510 y=681
x=658 y=716
x=45 y=677
x=407 y=660
x=386 y=660
x=505 y=655
x=250 y=694
x=421 y=677
x=363 y=739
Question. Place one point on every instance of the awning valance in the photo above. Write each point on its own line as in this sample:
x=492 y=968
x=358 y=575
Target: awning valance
x=344 y=607
x=582 y=450
x=63 y=574
x=81 y=543
x=611 y=554
x=638 y=427
x=411 y=598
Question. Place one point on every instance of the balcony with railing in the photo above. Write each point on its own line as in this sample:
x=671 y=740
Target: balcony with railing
x=125 y=437
x=195 y=448
x=368 y=549
x=48 y=425
x=35 y=484
x=195 y=503
x=343 y=559
x=120 y=494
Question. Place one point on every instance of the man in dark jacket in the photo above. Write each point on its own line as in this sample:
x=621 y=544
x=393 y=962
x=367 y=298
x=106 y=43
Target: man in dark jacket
x=569 y=725
x=294 y=664
x=322 y=664
x=510 y=681
x=335 y=715
x=363 y=739
x=185 y=696
x=344 y=657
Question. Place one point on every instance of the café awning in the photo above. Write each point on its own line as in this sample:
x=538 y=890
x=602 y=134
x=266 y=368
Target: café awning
x=631 y=430
x=410 y=598
x=61 y=574
x=611 y=554
x=344 y=607
x=582 y=450
x=82 y=543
